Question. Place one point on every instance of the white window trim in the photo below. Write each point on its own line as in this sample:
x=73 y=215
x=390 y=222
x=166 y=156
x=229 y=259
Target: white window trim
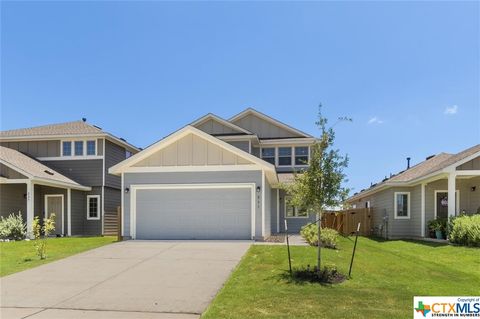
x=457 y=203
x=275 y=159
x=72 y=144
x=395 y=194
x=291 y=156
x=294 y=156
x=285 y=210
x=98 y=207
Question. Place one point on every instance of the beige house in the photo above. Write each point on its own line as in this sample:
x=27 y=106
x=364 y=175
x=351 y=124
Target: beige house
x=443 y=185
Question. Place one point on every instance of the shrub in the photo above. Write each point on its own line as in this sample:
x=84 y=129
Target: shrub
x=13 y=227
x=328 y=237
x=465 y=230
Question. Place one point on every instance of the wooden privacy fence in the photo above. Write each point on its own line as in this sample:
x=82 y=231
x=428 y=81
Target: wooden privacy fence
x=112 y=223
x=346 y=221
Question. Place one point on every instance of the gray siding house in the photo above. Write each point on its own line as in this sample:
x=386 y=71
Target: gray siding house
x=443 y=185
x=62 y=169
x=215 y=179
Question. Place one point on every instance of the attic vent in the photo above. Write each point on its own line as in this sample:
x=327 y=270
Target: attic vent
x=97 y=127
x=48 y=172
x=429 y=157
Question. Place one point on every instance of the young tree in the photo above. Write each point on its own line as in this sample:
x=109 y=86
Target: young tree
x=320 y=185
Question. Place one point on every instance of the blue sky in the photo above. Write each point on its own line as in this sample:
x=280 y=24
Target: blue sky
x=408 y=73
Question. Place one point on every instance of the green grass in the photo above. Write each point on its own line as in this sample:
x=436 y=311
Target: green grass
x=385 y=277
x=20 y=255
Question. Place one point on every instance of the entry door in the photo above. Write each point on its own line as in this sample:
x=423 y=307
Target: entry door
x=54 y=205
x=441 y=202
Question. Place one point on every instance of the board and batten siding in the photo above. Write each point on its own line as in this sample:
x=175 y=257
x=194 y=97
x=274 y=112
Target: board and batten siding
x=12 y=200
x=114 y=154
x=36 y=148
x=214 y=127
x=255 y=177
x=243 y=145
x=262 y=128
x=192 y=150
x=85 y=172
x=474 y=164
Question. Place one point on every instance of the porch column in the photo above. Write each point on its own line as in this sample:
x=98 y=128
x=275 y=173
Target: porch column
x=69 y=212
x=451 y=194
x=422 y=232
x=30 y=208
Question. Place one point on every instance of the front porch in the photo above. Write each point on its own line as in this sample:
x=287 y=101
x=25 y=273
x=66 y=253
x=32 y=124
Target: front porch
x=450 y=195
x=29 y=187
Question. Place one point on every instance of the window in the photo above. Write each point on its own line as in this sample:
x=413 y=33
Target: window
x=268 y=155
x=301 y=155
x=402 y=205
x=67 y=148
x=91 y=148
x=293 y=211
x=284 y=156
x=93 y=206
x=78 y=148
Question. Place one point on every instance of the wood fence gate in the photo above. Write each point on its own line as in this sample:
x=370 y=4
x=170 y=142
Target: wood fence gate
x=346 y=221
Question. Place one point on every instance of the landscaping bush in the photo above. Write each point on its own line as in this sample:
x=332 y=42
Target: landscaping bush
x=328 y=237
x=13 y=227
x=465 y=230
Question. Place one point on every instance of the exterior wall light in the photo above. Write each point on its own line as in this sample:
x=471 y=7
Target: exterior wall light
x=258 y=189
x=127 y=190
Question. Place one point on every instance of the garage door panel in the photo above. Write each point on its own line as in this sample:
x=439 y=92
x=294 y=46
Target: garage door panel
x=209 y=213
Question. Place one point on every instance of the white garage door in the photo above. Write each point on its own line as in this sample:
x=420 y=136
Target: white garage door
x=208 y=211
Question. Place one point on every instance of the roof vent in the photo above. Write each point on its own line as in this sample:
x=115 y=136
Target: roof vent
x=429 y=157
x=408 y=162
x=98 y=127
x=84 y=119
x=48 y=172
x=123 y=139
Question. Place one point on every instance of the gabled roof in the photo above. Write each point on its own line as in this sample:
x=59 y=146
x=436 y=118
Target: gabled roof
x=262 y=165
x=267 y=118
x=211 y=116
x=35 y=170
x=431 y=166
x=67 y=129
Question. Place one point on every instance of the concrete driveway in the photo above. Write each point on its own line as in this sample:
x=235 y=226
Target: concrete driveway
x=132 y=279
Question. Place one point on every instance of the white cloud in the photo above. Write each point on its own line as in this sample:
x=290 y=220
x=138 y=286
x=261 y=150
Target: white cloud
x=375 y=120
x=451 y=110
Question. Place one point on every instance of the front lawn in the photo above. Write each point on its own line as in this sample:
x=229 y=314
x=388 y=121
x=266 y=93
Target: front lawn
x=20 y=255
x=386 y=276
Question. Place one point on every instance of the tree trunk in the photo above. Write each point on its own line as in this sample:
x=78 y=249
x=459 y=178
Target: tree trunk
x=319 y=253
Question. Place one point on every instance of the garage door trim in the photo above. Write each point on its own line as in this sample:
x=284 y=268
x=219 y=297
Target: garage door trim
x=134 y=188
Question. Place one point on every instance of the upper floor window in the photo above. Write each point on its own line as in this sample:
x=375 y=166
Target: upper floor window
x=402 y=205
x=67 y=148
x=301 y=155
x=284 y=156
x=268 y=155
x=91 y=148
x=78 y=148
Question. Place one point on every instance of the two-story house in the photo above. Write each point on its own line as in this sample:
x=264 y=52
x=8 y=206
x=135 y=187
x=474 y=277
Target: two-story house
x=215 y=179
x=62 y=169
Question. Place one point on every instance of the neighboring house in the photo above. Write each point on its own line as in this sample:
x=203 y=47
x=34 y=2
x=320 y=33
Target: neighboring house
x=443 y=185
x=215 y=179
x=61 y=169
